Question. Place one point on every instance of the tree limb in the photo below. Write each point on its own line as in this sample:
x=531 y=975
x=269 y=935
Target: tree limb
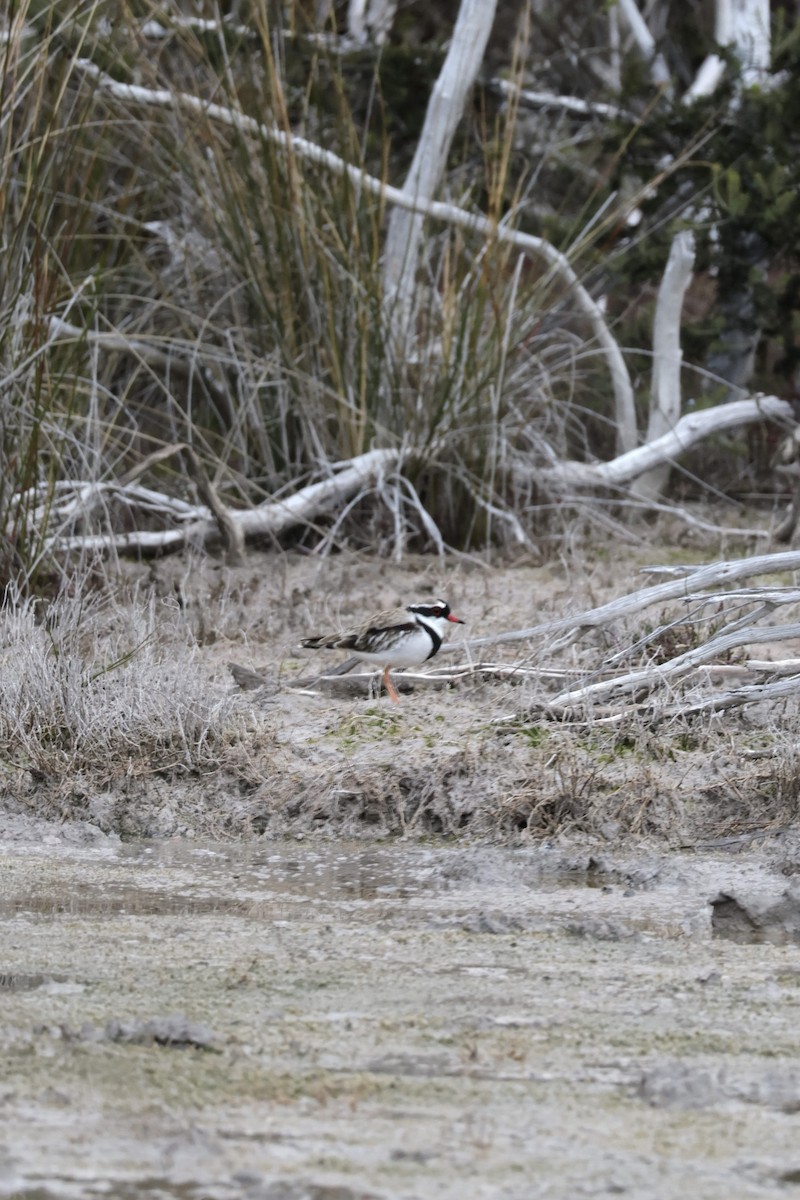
x=690 y=429
x=645 y=42
x=691 y=581
x=574 y=105
x=442 y=117
x=650 y=677
x=113 y=340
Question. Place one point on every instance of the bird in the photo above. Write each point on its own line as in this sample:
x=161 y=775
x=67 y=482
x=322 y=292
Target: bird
x=397 y=637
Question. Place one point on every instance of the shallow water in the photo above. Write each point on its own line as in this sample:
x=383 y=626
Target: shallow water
x=336 y=1021
x=187 y=877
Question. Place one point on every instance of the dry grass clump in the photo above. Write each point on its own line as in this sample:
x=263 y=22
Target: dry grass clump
x=752 y=793
x=381 y=784
x=89 y=687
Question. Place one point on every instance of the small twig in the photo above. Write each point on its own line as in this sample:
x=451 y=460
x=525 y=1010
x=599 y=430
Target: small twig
x=231 y=533
x=199 y=25
x=750 y=694
x=573 y=105
x=773 y=596
x=176 y=359
x=428 y=523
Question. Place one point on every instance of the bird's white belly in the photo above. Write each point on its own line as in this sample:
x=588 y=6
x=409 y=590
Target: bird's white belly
x=410 y=652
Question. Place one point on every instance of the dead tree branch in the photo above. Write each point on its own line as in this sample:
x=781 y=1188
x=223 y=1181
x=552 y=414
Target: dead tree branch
x=689 y=430
x=692 y=580
x=268 y=520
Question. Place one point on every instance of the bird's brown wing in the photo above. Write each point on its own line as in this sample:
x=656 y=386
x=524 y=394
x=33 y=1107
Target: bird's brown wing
x=390 y=618
x=377 y=636
x=360 y=636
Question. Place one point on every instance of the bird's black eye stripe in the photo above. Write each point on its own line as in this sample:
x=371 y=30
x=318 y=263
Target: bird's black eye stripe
x=440 y=609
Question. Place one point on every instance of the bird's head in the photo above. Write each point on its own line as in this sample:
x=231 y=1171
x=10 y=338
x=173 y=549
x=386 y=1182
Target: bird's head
x=435 y=613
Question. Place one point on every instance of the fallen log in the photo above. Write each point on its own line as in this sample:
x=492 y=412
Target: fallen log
x=266 y=520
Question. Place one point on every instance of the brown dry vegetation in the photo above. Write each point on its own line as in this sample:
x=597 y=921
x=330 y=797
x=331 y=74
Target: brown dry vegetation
x=122 y=712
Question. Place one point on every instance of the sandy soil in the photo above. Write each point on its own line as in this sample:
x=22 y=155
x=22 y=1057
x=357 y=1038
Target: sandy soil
x=342 y=1021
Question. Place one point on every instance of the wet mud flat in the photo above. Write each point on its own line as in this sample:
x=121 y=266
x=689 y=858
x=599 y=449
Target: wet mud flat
x=344 y=1020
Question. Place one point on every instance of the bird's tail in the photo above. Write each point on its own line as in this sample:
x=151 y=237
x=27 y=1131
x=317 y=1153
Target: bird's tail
x=327 y=642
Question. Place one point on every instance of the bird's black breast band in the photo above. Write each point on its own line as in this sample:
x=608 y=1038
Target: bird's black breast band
x=436 y=641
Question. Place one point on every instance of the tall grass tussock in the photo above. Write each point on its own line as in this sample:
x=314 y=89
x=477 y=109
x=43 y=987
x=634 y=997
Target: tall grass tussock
x=169 y=276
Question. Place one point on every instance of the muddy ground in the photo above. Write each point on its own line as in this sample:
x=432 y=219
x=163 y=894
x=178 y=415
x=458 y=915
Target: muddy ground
x=340 y=1021
x=411 y=951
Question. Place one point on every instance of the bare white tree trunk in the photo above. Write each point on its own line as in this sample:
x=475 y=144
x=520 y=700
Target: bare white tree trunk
x=665 y=396
x=644 y=41
x=750 y=34
x=445 y=109
x=744 y=26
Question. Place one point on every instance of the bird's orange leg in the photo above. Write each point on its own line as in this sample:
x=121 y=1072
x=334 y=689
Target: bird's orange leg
x=391 y=690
